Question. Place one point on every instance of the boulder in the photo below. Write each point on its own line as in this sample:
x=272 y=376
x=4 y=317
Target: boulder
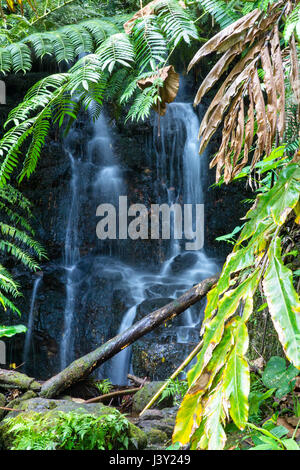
x=156 y=436
x=143 y=396
x=51 y=408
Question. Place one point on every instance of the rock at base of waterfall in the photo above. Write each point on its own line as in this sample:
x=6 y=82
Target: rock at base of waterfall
x=183 y=262
x=143 y=396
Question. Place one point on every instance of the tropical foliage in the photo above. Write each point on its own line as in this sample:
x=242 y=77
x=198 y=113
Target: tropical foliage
x=260 y=117
x=258 y=104
x=120 y=59
x=17 y=241
x=219 y=383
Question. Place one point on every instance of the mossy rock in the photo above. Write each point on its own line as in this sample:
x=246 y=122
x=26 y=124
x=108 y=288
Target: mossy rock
x=143 y=396
x=52 y=410
x=156 y=436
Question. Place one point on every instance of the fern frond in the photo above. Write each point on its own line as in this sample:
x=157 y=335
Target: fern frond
x=292 y=24
x=149 y=44
x=7 y=283
x=175 y=22
x=15 y=217
x=11 y=143
x=40 y=132
x=144 y=102
x=5 y=60
x=115 y=84
x=21 y=255
x=8 y=304
x=47 y=85
x=117 y=49
x=80 y=38
x=41 y=44
x=222 y=12
x=21 y=236
x=63 y=48
x=100 y=29
x=14 y=197
x=21 y=57
x=87 y=70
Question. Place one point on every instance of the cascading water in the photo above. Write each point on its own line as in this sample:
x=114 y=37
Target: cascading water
x=28 y=337
x=72 y=257
x=95 y=166
x=97 y=178
x=181 y=172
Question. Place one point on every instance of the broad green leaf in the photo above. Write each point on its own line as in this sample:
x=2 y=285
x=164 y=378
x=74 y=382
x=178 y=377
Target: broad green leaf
x=228 y=305
x=237 y=377
x=215 y=417
x=283 y=303
x=10 y=331
x=290 y=444
x=188 y=418
x=193 y=396
x=277 y=203
x=277 y=376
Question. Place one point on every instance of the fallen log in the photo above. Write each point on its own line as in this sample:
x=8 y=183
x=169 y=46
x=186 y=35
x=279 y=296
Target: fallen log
x=83 y=366
x=10 y=379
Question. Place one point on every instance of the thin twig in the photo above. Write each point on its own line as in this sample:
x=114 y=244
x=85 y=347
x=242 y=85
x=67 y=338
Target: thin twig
x=118 y=393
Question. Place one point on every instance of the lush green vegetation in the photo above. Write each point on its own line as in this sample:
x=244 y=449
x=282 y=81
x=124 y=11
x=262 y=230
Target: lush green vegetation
x=254 y=85
x=70 y=431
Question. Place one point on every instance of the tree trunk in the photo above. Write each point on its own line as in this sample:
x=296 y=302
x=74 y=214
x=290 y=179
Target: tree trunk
x=88 y=363
x=12 y=379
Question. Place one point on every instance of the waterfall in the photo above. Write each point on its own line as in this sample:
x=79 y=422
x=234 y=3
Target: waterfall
x=30 y=323
x=181 y=171
x=72 y=257
x=94 y=166
x=97 y=178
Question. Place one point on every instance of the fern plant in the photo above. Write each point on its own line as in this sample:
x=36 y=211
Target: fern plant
x=59 y=97
x=292 y=25
x=70 y=431
x=223 y=12
x=17 y=240
x=64 y=44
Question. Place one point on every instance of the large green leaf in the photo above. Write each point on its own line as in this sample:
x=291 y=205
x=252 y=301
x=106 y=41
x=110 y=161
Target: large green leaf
x=277 y=203
x=188 y=418
x=228 y=305
x=10 y=331
x=191 y=404
x=237 y=377
x=283 y=303
x=215 y=417
x=277 y=376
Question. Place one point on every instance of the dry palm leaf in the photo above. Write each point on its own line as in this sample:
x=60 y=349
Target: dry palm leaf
x=168 y=91
x=294 y=75
x=253 y=116
x=11 y=5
